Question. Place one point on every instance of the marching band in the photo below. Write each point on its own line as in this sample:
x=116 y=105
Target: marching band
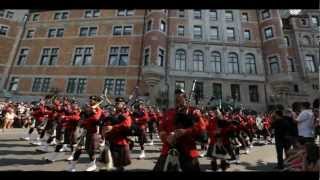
x=107 y=131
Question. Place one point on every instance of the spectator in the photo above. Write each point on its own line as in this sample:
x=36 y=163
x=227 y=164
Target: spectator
x=306 y=123
x=283 y=132
x=9 y=118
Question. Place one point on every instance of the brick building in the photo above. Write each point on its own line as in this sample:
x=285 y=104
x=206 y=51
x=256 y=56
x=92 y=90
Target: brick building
x=254 y=57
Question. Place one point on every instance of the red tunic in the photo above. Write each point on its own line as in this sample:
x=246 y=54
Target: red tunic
x=142 y=121
x=91 y=122
x=118 y=133
x=186 y=141
x=212 y=130
x=71 y=120
x=39 y=114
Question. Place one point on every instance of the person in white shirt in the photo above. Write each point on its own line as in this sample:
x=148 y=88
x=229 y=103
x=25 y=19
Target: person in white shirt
x=9 y=118
x=306 y=124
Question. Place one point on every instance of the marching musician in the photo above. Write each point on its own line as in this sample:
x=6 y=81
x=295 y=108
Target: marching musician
x=180 y=129
x=90 y=124
x=116 y=128
x=140 y=118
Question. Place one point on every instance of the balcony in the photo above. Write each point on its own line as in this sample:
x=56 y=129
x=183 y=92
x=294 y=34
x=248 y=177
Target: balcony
x=152 y=74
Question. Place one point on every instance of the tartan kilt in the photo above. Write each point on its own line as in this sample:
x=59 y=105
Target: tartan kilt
x=92 y=141
x=219 y=151
x=187 y=164
x=120 y=155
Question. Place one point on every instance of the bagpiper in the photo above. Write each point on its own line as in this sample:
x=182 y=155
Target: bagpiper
x=90 y=134
x=179 y=130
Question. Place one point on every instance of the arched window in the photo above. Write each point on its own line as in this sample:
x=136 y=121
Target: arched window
x=198 y=61
x=251 y=64
x=233 y=63
x=180 y=60
x=215 y=62
x=306 y=40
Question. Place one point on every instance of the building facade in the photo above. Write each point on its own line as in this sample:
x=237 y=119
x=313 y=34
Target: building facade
x=253 y=57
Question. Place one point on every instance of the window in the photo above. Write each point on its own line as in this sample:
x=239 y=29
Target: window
x=315 y=86
x=30 y=33
x=14 y=84
x=146 y=56
x=117 y=30
x=119 y=56
x=215 y=62
x=290 y=65
x=125 y=12
x=251 y=64
x=303 y=22
x=35 y=17
x=268 y=33
x=245 y=17
x=56 y=32
x=247 y=35
x=214 y=33
x=180 y=30
x=23 y=56
x=181 y=60
x=115 y=86
x=162 y=26
x=306 y=40
x=296 y=88
x=287 y=41
x=217 y=90
x=274 y=65
x=160 y=61
x=76 y=86
x=235 y=92
x=180 y=85
x=92 y=13
x=213 y=15
x=230 y=34
x=2 y=12
x=41 y=84
x=265 y=14
x=127 y=30
x=61 y=15
x=49 y=56
x=181 y=13
x=82 y=56
x=198 y=61
x=199 y=90
x=9 y=14
x=197 y=32
x=309 y=64
x=197 y=14
x=233 y=63
x=108 y=84
x=229 y=16
x=119 y=88
x=253 y=93
x=3 y=30
x=315 y=21
x=88 y=31
x=149 y=25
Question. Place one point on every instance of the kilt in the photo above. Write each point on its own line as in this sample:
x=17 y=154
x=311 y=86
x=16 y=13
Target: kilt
x=92 y=142
x=120 y=155
x=187 y=164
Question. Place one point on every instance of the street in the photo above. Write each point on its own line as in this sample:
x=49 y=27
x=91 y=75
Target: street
x=16 y=154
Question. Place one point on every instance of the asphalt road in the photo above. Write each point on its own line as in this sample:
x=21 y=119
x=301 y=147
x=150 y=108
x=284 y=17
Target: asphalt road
x=16 y=154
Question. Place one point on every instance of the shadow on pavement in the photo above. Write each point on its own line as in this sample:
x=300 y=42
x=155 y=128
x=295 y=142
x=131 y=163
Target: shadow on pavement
x=15 y=145
x=259 y=166
x=7 y=152
x=11 y=161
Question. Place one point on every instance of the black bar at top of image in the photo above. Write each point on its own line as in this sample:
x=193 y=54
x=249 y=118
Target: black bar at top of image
x=160 y=4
